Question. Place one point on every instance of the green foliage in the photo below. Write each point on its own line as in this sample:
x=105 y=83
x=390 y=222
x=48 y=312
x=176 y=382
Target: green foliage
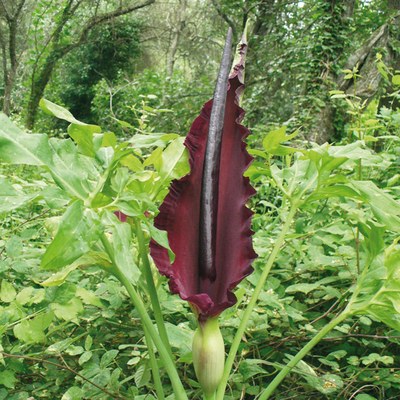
x=151 y=101
x=111 y=50
x=67 y=329
x=37 y=313
x=320 y=271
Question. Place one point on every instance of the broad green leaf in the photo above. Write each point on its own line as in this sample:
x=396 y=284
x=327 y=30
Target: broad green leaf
x=60 y=346
x=62 y=113
x=155 y=159
x=355 y=151
x=142 y=375
x=251 y=367
x=180 y=337
x=298 y=181
x=302 y=287
x=33 y=330
x=7 y=292
x=385 y=208
x=68 y=311
x=10 y=198
x=69 y=169
x=259 y=153
x=88 y=342
x=174 y=161
x=172 y=164
x=88 y=259
x=83 y=137
x=377 y=358
x=377 y=292
x=85 y=357
x=8 y=379
x=18 y=147
x=30 y=295
x=121 y=242
x=73 y=393
x=396 y=80
x=132 y=162
x=159 y=236
x=79 y=229
x=108 y=139
x=334 y=191
x=373 y=237
x=140 y=141
x=108 y=357
x=363 y=396
x=55 y=197
x=88 y=297
x=329 y=383
x=272 y=142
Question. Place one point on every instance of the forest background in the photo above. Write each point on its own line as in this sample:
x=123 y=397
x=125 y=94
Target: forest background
x=324 y=67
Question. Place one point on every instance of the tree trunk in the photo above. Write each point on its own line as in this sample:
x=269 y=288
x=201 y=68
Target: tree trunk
x=38 y=87
x=58 y=51
x=176 y=30
x=10 y=74
x=324 y=57
x=370 y=80
x=8 y=87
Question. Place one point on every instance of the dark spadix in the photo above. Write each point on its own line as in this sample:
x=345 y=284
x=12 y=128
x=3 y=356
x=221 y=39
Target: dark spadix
x=205 y=213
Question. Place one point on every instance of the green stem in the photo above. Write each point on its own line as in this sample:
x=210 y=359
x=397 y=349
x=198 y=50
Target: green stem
x=152 y=288
x=177 y=386
x=165 y=356
x=247 y=313
x=210 y=397
x=301 y=354
x=154 y=366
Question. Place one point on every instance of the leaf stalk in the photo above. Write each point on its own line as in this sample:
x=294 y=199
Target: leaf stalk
x=265 y=395
x=172 y=372
x=155 y=302
x=247 y=313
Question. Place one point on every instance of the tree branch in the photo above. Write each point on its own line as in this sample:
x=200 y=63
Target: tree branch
x=6 y=13
x=99 y=20
x=19 y=9
x=224 y=16
x=109 y=16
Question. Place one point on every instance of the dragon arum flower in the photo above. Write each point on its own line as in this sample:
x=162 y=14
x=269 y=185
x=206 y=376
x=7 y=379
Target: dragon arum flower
x=206 y=218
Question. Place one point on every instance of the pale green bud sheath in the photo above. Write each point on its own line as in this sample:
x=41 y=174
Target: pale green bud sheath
x=208 y=355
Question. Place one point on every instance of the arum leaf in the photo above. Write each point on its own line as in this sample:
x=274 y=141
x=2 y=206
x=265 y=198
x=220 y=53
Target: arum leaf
x=152 y=140
x=68 y=168
x=272 y=142
x=385 y=208
x=62 y=113
x=79 y=131
x=77 y=231
x=210 y=292
x=18 y=147
x=10 y=198
x=121 y=240
x=88 y=259
x=378 y=291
